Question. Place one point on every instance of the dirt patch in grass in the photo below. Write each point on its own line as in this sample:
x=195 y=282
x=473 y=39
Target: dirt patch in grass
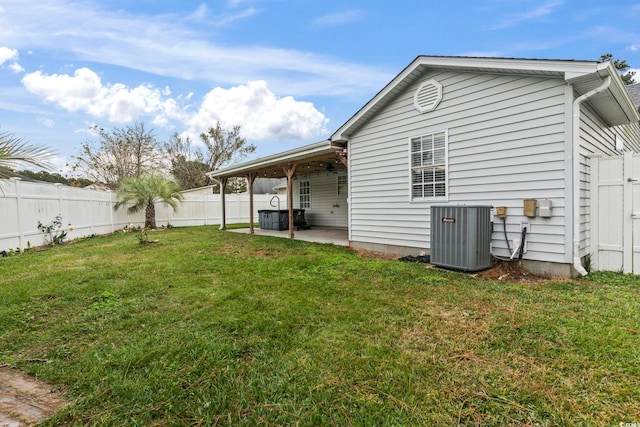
x=26 y=401
x=375 y=255
x=501 y=271
x=517 y=273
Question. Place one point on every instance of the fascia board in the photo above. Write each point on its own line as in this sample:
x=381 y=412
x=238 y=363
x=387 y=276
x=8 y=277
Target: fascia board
x=290 y=156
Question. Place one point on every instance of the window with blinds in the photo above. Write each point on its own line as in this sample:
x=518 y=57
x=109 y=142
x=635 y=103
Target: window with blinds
x=429 y=166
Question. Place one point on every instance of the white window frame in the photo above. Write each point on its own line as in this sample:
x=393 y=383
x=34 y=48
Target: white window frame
x=426 y=135
x=342 y=188
x=305 y=196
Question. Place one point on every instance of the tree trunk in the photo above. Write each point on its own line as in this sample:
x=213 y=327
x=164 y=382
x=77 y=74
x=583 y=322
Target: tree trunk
x=150 y=216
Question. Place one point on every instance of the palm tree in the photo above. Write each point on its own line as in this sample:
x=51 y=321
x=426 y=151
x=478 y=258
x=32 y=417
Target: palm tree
x=14 y=151
x=145 y=191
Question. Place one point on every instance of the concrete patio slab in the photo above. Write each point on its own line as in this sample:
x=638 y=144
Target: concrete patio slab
x=336 y=236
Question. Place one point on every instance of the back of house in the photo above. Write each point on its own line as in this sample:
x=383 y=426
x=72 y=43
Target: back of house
x=486 y=131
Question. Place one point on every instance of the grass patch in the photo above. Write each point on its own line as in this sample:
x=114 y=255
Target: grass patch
x=217 y=328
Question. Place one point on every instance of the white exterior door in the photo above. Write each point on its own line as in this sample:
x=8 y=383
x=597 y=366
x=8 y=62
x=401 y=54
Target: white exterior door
x=615 y=213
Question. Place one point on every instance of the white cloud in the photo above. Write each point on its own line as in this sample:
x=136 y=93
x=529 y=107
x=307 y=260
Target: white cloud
x=203 y=15
x=200 y=13
x=46 y=122
x=339 y=18
x=16 y=68
x=226 y=20
x=260 y=112
x=257 y=109
x=85 y=92
x=518 y=18
x=7 y=54
x=166 y=45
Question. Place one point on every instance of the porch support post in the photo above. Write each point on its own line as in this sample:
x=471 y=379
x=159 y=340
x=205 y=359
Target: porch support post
x=343 y=156
x=290 y=170
x=223 y=204
x=251 y=177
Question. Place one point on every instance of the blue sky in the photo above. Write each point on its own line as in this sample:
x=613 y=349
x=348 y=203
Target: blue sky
x=290 y=72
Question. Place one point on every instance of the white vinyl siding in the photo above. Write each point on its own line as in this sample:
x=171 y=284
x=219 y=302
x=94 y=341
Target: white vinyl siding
x=505 y=142
x=328 y=208
x=429 y=166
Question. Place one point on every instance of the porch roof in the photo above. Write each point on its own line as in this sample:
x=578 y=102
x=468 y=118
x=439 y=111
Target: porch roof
x=319 y=157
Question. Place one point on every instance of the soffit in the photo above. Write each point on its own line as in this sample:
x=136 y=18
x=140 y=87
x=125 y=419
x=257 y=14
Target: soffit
x=614 y=104
x=312 y=159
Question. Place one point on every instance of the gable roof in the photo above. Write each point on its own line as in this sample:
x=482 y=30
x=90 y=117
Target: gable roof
x=613 y=104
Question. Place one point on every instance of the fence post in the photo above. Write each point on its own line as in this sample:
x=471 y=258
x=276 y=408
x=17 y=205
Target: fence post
x=110 y=203
x=204 y=200
x=16 y=181
x=91 y=212
x=58 y=188
x=627 y=209
x=595 y=212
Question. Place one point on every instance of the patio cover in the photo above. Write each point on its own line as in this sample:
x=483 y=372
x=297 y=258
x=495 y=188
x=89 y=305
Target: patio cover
x=311 y=159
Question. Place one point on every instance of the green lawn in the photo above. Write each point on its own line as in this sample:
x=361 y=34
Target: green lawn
x=217 y=328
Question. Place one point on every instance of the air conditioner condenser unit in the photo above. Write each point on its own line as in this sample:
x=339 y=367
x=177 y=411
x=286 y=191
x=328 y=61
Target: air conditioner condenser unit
x=461 y=237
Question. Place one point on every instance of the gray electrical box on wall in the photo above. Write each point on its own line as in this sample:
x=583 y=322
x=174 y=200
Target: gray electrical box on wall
x=544 y=208
x=461 y=237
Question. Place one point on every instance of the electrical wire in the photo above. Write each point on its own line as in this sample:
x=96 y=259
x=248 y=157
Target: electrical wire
x=519 y=248
x=504 y=228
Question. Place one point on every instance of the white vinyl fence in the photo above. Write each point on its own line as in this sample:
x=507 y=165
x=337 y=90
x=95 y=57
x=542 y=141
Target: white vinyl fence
x=615 y=213
x=88 y=212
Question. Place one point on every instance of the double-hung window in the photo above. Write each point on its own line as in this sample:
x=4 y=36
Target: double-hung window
x=429 y=166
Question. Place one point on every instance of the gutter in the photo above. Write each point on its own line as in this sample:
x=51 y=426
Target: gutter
x=575 y=155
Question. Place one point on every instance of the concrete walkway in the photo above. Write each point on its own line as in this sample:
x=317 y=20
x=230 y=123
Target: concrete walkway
x=336 y=236
x=25 y=401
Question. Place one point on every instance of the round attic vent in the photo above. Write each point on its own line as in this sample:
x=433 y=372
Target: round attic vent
x=428 y=96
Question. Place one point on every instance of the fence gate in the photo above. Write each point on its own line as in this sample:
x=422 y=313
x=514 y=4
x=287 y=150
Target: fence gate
x=615 y=213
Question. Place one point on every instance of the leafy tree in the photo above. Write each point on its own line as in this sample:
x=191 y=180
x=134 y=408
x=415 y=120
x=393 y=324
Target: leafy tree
x=188 y=165
x=622 y=67
x=220 y=146
x=224 y=146
x=56 y=178
x=15 y=151
x=119 y=154
x=45 y=176
x=146 y=190
x=79 y=182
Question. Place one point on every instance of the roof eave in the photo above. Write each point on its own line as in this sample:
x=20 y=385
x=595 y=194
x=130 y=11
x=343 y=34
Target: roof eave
x=287 y=157
x=614 y=105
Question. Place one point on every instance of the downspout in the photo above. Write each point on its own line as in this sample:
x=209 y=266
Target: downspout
x=575 y=155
